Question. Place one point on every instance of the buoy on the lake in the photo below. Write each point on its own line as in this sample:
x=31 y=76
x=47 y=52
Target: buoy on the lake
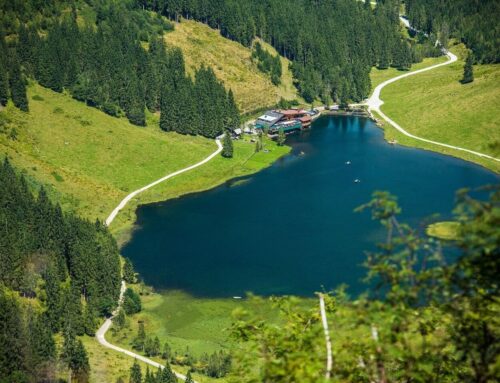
x=348 y=162
x=357 y=181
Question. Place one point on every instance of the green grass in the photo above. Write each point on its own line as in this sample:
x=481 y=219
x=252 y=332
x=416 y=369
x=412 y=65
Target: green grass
x=108 y=365
x=436 y=106
x=231 y=63
x=200 y=324
x=378 y=76
x=90 y=161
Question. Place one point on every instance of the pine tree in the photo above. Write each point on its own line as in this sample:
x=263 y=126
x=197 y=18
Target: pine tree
x=468 y=70
x=227 y=150
x=89 y=320
x=140 y=340
x=128 y=271
x=4 y=83
x=189 y=379
x=74 y=355
x=17 y=84
x=135 y=373
x=12 y=340
x=119 y=320
x=54 y=298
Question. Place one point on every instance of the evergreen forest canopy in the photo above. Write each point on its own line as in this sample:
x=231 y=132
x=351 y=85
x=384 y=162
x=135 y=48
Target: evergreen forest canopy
x=475 y=22
x=105 y=65
x=332 y=44
x=72 y=268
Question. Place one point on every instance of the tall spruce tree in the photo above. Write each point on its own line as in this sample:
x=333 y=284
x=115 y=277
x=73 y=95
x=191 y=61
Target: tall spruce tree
x=227 y=143
x=468 y=76
x=135 y=373
x=128 y=271
x=17 y=83
x=4 y=82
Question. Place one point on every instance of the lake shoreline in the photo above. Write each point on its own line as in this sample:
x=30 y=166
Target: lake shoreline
x=332 y=169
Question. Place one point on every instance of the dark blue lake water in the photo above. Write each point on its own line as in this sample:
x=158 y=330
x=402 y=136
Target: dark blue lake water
x=291 y=229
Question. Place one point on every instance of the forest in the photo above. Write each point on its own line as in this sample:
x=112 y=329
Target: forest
x=106 y=65
x=333 y=44
x=65 y=270
x=473 y=22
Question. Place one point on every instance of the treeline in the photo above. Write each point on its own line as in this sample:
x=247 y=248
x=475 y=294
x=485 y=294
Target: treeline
x=267 y=63
x=473 y=22
x=108 y=65
x=12 y=81
x=332 y=44
x=165 y=375
x=431 y=314
x=69 y=264
x=202 y=106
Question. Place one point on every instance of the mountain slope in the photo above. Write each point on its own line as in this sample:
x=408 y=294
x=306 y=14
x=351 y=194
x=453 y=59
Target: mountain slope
x=231 y=62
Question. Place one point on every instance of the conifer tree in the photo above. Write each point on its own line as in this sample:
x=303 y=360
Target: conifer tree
x=4 y=83
x=128 y=271
x=89 y=320
x=119 y=319
x=468 y=76
x=12 y=341
x=140 y=340
x=189 y=379
x=227 y=143
x=74 y=355
x=135 y=373
x=54 y=298
x=17 y=84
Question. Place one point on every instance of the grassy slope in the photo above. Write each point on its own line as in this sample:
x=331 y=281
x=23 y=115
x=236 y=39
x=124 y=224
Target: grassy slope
x=436 y=106
x=90 y=161
x=184 y=321
x=231 y=63
x=378 y=76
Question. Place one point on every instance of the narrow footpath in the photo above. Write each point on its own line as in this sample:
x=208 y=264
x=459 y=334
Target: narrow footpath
x=101 y=332
x=375 y=102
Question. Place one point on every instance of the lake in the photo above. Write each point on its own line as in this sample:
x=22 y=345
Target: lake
x=291 y=229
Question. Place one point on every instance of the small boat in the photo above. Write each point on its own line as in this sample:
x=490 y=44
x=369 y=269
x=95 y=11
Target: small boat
x=301 y=153
x=357 y=181
x=237 y=297
x=348 y=162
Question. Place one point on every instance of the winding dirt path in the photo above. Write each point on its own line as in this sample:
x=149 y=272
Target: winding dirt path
x=127 y=199
x=375 y=102
x=101 y=332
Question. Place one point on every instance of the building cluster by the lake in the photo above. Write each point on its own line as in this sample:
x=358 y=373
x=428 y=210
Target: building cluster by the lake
x=288 y=120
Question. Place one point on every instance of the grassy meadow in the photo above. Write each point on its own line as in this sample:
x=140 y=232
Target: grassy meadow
x=89 y=161
x=436 y=106
x=378 y=76
x=231 y=62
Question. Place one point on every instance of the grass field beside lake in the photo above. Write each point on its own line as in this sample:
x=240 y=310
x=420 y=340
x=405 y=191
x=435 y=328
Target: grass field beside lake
x=90 y=161
x=436 y=106
x=185 y=322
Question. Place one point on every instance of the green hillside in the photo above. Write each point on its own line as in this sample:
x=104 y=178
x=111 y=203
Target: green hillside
x=90 y=161
x=436 y=106
x=231 y=62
